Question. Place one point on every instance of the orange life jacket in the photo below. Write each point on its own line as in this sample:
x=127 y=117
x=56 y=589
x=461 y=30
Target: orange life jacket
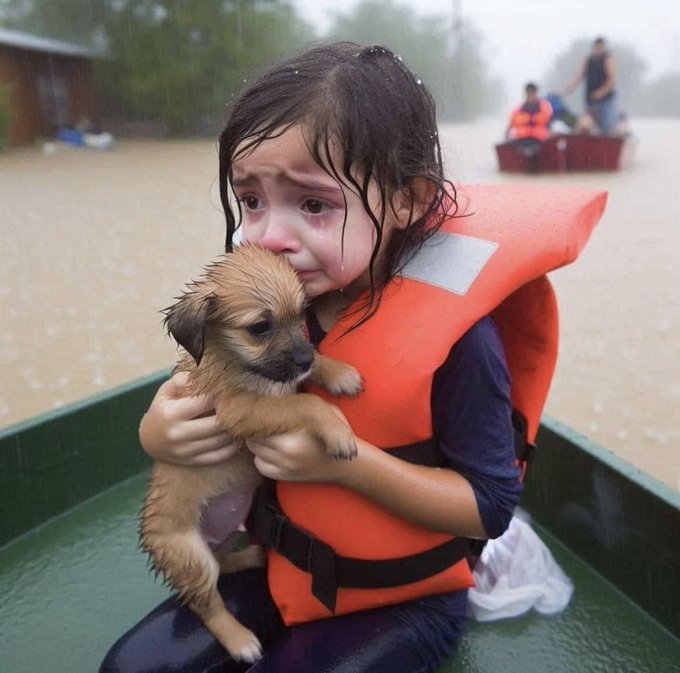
x=532 y=124
x=493 y=261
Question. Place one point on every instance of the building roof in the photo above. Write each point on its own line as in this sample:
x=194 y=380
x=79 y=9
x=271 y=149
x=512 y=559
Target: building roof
x=21 y=40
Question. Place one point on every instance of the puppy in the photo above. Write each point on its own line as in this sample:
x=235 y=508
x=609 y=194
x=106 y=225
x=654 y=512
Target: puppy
x=243 y=329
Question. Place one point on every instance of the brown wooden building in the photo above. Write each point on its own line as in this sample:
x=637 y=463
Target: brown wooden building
x=51 y=84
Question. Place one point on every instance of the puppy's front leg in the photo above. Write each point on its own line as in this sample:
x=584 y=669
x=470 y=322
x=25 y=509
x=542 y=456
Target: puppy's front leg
x=338 y=378
x=246 y=416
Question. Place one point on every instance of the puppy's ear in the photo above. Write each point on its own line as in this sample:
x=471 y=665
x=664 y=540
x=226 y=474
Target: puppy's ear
x=186 y=321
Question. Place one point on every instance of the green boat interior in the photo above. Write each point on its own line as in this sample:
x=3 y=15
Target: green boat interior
x=72 y=578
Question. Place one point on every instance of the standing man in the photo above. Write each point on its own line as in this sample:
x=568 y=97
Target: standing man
x=599 y=73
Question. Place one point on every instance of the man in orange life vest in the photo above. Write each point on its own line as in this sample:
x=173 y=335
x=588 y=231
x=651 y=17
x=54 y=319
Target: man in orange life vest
x=529 y=122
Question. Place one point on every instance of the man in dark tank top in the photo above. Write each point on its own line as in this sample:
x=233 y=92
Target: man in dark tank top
x=599 y=73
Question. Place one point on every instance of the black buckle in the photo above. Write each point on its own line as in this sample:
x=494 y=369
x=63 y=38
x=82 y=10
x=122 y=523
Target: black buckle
x=524 y=449
x=276 y=527
x=529 y=450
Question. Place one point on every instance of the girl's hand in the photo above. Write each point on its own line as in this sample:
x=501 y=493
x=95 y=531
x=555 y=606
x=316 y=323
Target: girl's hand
x=181 y=429
x=297 y=456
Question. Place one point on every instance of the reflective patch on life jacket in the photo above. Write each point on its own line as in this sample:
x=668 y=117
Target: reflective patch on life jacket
x=450 y=261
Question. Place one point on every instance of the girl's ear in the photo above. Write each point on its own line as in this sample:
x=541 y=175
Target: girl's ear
x=411 y=202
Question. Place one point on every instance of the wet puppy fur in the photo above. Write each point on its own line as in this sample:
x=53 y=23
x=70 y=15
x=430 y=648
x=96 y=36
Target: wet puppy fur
x=243 y=331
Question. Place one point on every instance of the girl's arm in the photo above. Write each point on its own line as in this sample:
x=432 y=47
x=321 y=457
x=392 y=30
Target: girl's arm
x=182 y=429
x=434 y=498
x=438 y=499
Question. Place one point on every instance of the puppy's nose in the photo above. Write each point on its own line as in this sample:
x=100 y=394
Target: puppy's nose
x=303 y=355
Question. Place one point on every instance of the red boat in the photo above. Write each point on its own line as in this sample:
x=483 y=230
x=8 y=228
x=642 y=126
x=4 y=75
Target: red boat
x=567 y=152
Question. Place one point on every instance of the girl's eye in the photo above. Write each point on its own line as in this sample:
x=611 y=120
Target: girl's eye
x=314 y=206
x=251 y=202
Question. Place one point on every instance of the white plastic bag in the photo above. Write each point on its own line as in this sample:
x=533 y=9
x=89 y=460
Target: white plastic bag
x=516 y=573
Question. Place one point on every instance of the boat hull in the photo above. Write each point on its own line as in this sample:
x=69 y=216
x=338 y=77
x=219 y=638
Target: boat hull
x=562 y=153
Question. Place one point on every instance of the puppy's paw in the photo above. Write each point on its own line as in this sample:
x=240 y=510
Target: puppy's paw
x=245 y=646
x=337 y=377
x=343 y=446
x=241 y=643
x=347 y=381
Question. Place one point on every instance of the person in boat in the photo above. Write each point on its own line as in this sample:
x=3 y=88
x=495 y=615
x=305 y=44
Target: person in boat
x=598 y=71
x=563 y=120
x=529 y=124
x=334 y=160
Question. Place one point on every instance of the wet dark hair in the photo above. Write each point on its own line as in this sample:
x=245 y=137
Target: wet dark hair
x=365 y=107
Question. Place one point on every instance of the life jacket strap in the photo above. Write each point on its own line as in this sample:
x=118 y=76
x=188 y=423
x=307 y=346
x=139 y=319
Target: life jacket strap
x=329 y=571
x=427 y=453
x=524 y=449
x=421 y=453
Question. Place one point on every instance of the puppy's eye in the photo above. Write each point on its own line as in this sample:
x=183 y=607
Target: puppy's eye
x=259 y=328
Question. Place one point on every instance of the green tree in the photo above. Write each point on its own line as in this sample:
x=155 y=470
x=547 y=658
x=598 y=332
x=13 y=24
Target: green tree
x=179 y=62
x=451 y=65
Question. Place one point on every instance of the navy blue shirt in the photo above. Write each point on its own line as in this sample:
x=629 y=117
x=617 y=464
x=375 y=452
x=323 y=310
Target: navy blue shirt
x=472 y=419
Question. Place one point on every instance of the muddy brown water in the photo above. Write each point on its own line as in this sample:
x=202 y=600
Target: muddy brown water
x=94 y=244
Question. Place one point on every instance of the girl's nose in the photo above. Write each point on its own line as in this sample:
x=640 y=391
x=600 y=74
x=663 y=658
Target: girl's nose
x=278 y=236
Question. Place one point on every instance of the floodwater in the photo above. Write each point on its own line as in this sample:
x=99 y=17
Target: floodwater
x=94 y=245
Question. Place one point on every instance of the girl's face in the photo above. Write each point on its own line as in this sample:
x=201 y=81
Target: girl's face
x=292 y=207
